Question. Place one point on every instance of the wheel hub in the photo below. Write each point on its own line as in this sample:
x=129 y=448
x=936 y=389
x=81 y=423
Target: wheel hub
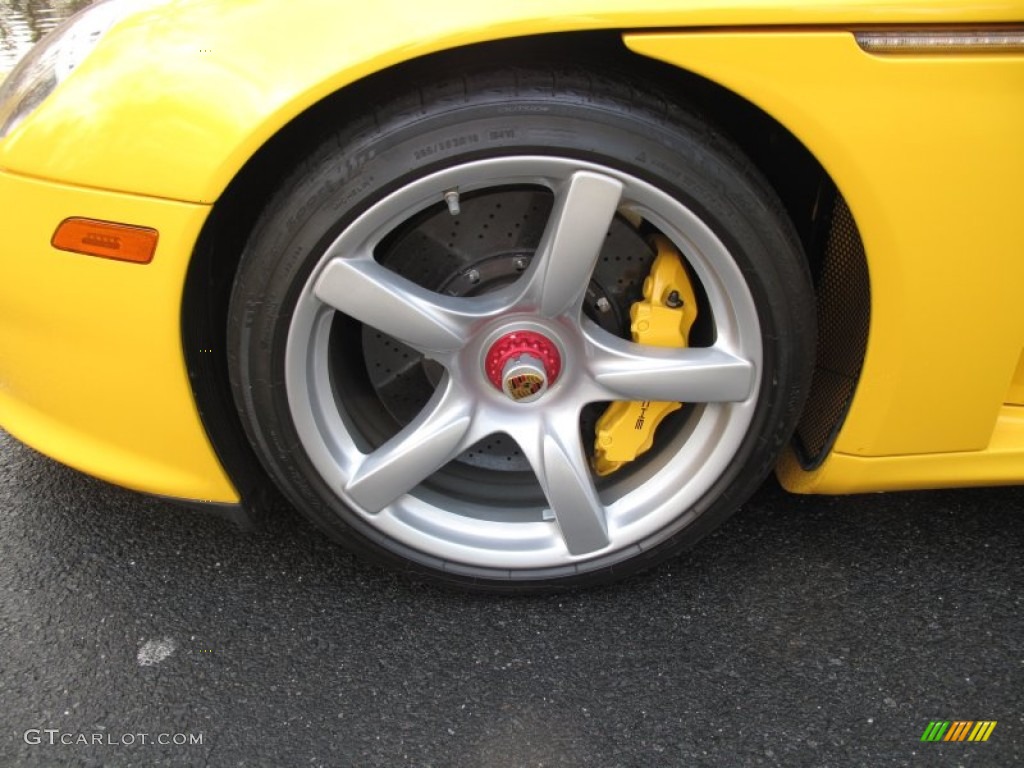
x=523 y=365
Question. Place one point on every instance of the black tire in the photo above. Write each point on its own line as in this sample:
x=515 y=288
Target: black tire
x=610 y=128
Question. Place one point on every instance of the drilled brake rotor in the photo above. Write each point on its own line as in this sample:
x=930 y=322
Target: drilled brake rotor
x=489 y=244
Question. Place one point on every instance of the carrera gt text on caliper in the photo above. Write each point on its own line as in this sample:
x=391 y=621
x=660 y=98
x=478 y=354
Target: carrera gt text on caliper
x=662 y=319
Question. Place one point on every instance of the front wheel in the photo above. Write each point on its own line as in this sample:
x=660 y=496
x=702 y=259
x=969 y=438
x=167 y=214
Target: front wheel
x=433 y=321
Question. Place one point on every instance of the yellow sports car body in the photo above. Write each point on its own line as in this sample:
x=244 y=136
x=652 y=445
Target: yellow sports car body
x=521 y=293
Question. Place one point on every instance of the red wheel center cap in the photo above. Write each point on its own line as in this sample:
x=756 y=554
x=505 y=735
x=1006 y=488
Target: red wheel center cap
x=523 y=364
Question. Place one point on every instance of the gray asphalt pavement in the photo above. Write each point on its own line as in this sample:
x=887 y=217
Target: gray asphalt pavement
x=808 y=631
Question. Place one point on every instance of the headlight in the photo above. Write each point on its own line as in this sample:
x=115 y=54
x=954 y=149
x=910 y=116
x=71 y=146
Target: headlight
x=56 y=56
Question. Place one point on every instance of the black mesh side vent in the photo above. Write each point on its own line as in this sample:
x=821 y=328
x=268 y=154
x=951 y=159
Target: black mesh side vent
x=844 y=312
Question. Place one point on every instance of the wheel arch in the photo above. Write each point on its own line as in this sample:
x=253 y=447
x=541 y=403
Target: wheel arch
x=809 y=195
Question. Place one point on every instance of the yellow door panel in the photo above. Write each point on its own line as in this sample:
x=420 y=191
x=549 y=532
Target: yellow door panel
x=928 y=153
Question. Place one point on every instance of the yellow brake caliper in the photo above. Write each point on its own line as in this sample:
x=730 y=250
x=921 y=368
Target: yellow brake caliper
x=662 y=319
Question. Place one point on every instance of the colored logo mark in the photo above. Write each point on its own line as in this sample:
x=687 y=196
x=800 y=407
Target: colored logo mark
x=958 y=730
x=524 y=385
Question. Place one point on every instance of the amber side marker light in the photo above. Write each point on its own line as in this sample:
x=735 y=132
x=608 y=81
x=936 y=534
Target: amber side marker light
x=106 y=239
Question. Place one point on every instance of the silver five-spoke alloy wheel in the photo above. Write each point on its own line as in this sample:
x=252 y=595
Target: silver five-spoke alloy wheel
x=578 y=521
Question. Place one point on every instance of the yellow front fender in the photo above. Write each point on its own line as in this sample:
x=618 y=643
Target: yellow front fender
x=174 y=101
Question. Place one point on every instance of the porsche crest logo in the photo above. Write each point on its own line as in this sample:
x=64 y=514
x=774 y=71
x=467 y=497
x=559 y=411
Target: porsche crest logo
x=523 y=385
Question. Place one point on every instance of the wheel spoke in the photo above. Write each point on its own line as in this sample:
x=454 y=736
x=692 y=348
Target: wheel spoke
x=556 y=454
x=583 y=211
x=626 y=371
x=372 y=294
x=437 y=435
